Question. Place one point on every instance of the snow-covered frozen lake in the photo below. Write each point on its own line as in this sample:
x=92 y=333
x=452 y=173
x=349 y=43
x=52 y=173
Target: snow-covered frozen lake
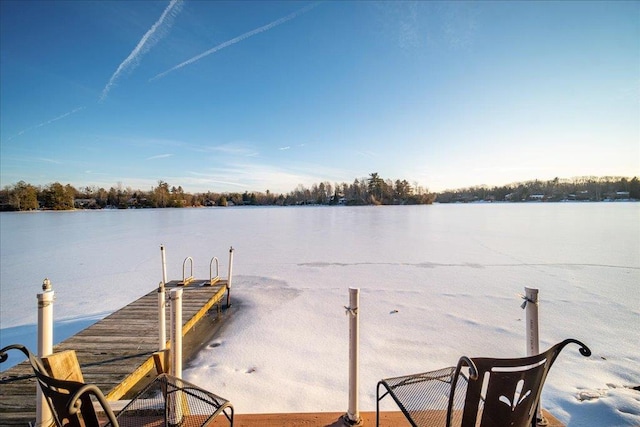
x=436 y=282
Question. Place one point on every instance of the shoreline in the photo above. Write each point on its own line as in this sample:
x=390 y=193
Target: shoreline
x=458 y=202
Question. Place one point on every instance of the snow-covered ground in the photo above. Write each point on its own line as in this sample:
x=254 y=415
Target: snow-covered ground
x=436 y=282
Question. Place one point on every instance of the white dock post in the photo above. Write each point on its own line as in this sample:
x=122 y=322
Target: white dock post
x=353 y=414
x=533 y=338
x=162 y=326
x=175 y=295
x=229 y=276
x=531 y=316
x=45 y=347
x=176 y=399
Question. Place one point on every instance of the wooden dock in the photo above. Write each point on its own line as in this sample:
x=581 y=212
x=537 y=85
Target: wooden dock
x=334 y=419
x=116 y=352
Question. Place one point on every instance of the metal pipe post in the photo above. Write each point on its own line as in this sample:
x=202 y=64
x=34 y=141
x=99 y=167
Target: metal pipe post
x=162 y=318
x=176 y=399
x=175 y=295
x=164 y=265
x=353 y=414
x=533 y=337
x=229 y=277
x=45 y=347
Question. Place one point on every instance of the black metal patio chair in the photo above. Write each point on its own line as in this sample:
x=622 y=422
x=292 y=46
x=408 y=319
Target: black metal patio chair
x=70 y=401
x=165 y=401
x=477 y=392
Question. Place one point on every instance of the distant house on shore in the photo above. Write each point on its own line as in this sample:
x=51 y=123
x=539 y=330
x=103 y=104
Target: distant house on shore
x=85 y=203
x=622 y=195
x=580 y=195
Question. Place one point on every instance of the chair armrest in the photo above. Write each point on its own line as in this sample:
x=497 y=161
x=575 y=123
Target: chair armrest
x=75 y=402
x=473 y=371
x=35 y=362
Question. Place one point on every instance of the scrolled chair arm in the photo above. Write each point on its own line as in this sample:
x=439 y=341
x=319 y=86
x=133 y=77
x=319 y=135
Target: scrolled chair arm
x=473 y=371
x=75 y=402
x=35 y=361
x=584 y=350
x=3 y=352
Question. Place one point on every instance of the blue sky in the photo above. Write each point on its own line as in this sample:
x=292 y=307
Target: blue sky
x=256 y=96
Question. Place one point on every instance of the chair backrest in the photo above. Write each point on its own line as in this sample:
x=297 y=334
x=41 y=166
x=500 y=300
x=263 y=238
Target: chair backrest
x=505 y=392
x=70 y=404
x=59 y=394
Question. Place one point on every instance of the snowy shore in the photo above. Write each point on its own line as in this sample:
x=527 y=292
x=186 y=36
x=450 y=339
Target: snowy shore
x=436 y=283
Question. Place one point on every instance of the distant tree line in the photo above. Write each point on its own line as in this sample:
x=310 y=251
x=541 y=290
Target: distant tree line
x=587 y=188
x=372 y=190
x=365 y=191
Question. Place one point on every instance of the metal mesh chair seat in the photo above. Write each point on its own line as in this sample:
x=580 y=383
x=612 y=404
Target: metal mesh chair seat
x=168 y=400
x=424 y=397
x=477 y=392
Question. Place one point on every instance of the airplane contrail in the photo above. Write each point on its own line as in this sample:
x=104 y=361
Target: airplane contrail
x=238 y=39
x=59 y=117
x=143 y=45
x=159 y=156
x=45 y=123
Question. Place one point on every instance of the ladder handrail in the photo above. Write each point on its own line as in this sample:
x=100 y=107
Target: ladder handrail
x=212 y=279
x=186 y=280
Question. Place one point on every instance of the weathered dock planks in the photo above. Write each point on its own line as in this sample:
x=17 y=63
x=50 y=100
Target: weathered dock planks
x=116 y=352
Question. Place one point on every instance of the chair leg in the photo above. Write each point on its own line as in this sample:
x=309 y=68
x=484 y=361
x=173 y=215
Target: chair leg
x=230 y=418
